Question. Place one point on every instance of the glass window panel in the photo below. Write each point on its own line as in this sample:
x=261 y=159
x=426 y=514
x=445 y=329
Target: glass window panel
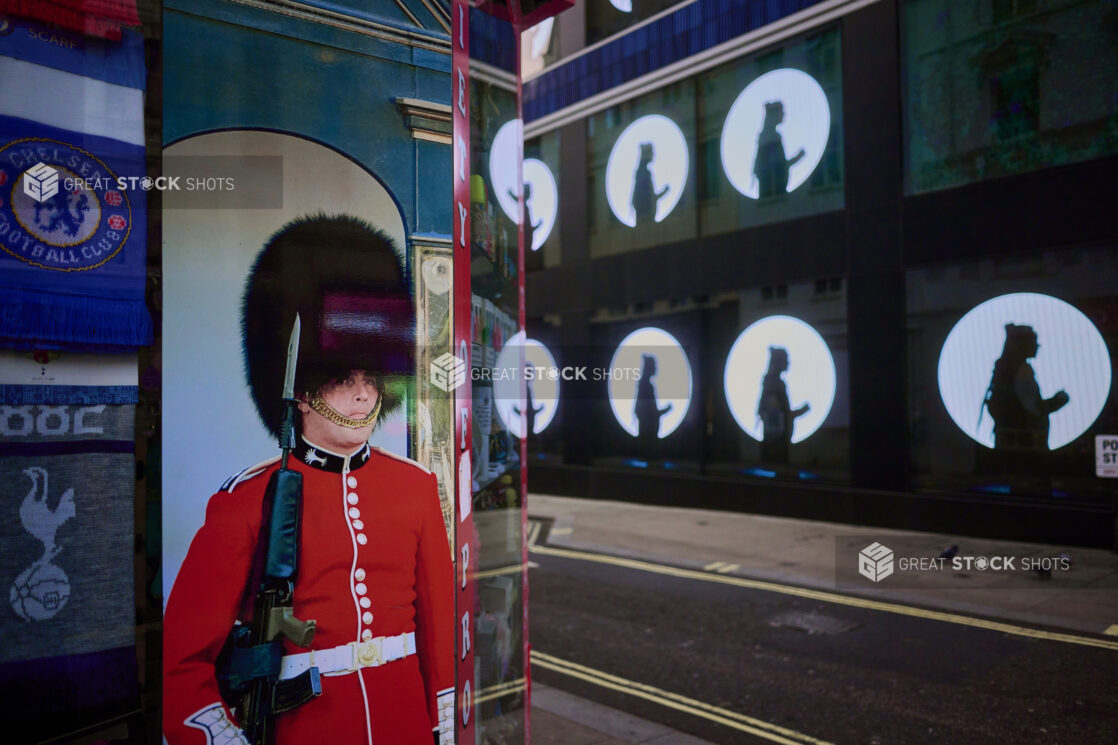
x=541 y=177
x=751 y=383
x=493 y=198
x=770 y=136
x=548 y=399
x=499 y=685
x=1010 y=373
x=607 y=17
x=1003 y=87
x=781 y=386
x=642 y=172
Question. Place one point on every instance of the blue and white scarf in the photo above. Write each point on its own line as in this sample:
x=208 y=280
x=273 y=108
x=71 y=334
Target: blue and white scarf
x=73 y=208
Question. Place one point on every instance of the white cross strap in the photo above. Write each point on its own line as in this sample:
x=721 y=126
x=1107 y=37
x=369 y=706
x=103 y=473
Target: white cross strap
x=350 y=657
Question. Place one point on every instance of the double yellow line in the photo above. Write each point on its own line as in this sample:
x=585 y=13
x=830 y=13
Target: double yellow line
x=501 y=689
x=820 y=595
x=717 y=714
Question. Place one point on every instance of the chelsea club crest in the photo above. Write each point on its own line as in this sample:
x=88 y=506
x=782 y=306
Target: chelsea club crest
x=61 y=208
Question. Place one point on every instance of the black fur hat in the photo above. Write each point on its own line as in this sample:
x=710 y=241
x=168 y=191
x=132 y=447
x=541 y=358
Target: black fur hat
x=345 y=280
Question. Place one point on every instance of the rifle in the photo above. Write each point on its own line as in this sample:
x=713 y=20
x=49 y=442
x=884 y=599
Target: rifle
x=249 y=665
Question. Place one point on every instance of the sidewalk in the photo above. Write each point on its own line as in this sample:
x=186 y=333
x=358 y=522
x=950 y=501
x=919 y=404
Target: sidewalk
x=802 y=552
x=559 y=718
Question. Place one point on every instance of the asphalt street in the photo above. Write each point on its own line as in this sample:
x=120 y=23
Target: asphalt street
x=732 y=664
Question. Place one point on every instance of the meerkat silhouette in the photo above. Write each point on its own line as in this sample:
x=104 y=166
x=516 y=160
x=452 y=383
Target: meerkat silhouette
x=645 y=196
x=775 y=411
x=771 y=164
x=646 y=407
x=530 y=228
x=531 y=410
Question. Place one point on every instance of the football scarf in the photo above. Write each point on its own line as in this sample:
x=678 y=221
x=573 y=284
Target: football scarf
x=67 y=484
x=73 y=212
x=93 y=17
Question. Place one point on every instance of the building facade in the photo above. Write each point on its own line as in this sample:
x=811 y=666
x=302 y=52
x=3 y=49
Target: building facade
x=861 y=253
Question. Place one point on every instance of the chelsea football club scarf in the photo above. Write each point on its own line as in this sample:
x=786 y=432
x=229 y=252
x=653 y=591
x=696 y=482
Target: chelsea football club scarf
x=73 y=212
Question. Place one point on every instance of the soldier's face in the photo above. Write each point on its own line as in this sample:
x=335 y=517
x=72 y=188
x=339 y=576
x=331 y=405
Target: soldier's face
x=353 y=397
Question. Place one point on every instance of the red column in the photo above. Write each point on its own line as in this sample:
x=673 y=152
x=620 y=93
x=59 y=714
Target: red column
x=466 y=536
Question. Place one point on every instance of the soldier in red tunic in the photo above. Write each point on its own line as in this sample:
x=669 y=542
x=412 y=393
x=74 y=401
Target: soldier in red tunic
x=374 y=563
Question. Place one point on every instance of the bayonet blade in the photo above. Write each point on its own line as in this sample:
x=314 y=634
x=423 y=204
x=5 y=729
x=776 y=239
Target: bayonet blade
x=292 y=360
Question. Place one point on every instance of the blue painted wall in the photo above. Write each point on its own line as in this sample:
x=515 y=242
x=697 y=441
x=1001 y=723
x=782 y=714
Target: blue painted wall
x=241 y=67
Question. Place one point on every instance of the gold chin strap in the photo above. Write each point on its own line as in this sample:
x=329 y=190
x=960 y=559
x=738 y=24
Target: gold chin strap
x=329 y=412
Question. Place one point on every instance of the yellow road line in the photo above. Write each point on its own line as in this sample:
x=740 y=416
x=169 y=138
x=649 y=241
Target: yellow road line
x=1112 y=631
x=511 y=569
x=561 y=531
x=728 y=568
x=828 y=597
x=725 y=717
x=713 y=565
x=501 y=689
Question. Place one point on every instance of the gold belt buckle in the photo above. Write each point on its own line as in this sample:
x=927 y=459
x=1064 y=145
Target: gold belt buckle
x=370 y=653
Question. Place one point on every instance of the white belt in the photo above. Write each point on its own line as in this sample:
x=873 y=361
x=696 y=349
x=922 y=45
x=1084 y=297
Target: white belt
x=350 y=657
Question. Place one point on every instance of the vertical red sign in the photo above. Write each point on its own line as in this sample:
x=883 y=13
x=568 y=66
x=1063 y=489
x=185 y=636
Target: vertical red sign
x=466 y=548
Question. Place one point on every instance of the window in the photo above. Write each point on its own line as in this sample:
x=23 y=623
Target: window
x=1001 y=89
x=1010 y=373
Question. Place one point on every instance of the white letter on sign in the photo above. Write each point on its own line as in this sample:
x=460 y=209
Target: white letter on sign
x=461 y=158
x=461 y=92
x=465 y=634
x=465 y=563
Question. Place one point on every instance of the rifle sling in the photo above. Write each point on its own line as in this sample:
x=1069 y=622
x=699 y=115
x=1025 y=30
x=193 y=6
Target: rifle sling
x=247 y=664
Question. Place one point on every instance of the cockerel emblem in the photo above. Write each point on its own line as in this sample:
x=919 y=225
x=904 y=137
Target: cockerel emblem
x=42 y=589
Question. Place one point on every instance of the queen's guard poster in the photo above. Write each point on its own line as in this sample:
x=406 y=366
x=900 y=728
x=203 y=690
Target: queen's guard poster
x=307 y=567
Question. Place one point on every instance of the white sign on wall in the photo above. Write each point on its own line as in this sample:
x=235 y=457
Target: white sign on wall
x=1106 y=456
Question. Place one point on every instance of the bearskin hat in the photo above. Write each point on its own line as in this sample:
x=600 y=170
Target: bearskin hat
x=345 y=280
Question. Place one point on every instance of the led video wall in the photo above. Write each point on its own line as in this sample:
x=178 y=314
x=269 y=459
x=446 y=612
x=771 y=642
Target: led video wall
x=1011 y=372
x=1009 y=88
x=753 y=141
x=541 y=199
x=752 y=383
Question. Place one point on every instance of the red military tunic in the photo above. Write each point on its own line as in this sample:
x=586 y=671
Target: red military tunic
x=373 y=561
